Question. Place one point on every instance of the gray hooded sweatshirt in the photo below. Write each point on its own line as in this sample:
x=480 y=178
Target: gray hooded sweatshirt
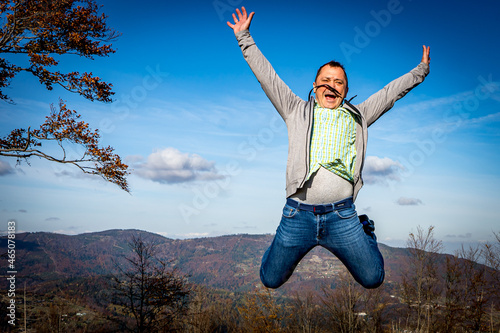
x=298 y=113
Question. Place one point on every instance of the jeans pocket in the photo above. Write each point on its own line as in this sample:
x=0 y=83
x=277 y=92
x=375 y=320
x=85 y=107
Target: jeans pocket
x=347 y=213
x=289 y=211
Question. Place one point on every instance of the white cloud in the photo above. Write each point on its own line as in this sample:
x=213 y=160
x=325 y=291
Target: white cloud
x=73 y=173
x=486 y=119
x=163 y=233
x=486 y=88
x=380 y=170
x=403 y=201
x=65 y=232
x=170 y=166
x=131 y=159
x=192 y=235
x=5 y=168
x=466 y=236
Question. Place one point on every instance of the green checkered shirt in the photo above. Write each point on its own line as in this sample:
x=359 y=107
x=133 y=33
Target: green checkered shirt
x=333 y=142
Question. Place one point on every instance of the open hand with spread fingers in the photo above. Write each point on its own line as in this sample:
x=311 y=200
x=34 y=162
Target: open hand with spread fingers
x=242 y=22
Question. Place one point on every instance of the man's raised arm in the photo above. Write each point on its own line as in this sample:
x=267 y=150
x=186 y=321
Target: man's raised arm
x=276 y=90
x=383 y=100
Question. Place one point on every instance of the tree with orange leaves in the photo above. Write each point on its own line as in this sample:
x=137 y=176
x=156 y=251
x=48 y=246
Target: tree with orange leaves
x=42 y=29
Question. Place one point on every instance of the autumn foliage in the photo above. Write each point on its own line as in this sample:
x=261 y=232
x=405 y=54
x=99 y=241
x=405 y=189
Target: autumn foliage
x=42 y=30
x=63 y=126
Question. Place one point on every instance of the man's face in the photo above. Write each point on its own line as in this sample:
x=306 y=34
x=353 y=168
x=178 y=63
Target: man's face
x=334 y=77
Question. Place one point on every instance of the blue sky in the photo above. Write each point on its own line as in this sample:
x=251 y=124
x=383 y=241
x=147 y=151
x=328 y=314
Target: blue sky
x=208 y=151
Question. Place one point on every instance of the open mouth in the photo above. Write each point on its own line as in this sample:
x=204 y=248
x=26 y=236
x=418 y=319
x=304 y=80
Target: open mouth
x=330 y=97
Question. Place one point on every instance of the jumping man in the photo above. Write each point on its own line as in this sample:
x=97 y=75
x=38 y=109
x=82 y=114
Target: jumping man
x=327 y=146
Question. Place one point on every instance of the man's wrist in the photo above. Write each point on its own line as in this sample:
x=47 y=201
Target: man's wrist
x=241 y=32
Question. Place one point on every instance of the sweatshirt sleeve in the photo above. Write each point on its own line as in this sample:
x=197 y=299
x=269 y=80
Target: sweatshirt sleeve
x=280 y=95
x=383 y=100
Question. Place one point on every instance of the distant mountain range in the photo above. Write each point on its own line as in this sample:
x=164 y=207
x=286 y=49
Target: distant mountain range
x=226 y=262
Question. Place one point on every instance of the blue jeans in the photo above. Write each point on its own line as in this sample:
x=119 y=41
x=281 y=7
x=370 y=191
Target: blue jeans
x=340 y=231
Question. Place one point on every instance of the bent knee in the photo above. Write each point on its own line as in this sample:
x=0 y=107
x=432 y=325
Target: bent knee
x=374 y=282
x=272 y=283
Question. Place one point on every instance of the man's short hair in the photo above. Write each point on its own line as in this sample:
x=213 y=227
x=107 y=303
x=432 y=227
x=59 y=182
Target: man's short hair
x=333 y=63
